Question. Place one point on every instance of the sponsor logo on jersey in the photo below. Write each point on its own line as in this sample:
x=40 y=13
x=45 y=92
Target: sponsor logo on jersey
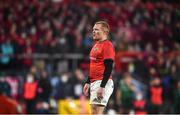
x=95 y=49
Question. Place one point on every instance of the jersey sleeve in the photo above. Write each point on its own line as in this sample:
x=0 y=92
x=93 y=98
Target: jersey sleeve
x=108 y=51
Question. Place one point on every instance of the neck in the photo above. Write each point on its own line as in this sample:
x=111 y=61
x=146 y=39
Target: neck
x=103 y=39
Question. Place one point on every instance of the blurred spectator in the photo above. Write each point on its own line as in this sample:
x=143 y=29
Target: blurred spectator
x=156 y=96
x=63 y=46
x=54 y=83
x=30 y=93
x=44 y=88
x=5 y=88
x=125 y=93
x=64 y=87
x=139 y=104
x=177 y=99
x=28 y=51
x=7 y=51
x=8 y=105
x=54 y=47
x=40 y=47
x=111 y=110
x=77 y=83
x=13 y=81
x=175 y=72
x=87 y=43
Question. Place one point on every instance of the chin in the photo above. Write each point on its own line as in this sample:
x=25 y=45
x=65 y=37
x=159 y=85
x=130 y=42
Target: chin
x=95 y=39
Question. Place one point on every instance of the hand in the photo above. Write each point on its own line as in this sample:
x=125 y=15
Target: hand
x=86 y=89
x=100 y=92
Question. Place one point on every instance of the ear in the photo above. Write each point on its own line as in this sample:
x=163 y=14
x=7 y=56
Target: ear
x=106 y=32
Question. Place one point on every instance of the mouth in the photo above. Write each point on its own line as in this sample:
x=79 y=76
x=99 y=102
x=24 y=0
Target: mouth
x=94 y=35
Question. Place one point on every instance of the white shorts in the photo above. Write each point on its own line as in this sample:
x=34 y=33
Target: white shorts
x=93 y=92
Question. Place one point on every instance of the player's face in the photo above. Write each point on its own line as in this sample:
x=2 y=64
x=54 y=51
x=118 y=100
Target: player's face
x=98 y=32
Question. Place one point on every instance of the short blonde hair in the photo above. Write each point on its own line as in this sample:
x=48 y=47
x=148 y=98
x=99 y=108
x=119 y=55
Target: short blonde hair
x=104 y=25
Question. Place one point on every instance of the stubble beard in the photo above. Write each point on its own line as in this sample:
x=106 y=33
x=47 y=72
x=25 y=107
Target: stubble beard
x=96 y=39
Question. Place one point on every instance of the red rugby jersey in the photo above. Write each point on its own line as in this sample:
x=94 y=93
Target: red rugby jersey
x=100 y=51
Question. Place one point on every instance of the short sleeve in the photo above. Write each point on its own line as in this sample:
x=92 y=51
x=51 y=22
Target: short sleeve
x=108 y=51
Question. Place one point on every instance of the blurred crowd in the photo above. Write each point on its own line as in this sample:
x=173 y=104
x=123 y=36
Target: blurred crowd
x=145 y=36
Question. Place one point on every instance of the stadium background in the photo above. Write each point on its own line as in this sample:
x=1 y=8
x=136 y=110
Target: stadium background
x=44 y=47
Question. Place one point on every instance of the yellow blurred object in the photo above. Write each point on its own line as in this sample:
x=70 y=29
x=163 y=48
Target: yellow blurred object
x=71 y=106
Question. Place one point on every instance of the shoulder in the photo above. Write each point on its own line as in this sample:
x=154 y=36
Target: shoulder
x=108 y=43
